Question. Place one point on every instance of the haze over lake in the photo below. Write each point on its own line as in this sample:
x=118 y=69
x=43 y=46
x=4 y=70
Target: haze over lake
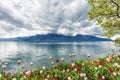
x=39 y=53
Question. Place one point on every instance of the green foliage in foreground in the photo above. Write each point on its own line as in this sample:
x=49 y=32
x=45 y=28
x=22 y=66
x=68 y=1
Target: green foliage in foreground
x=107 y=14
x=107 y=68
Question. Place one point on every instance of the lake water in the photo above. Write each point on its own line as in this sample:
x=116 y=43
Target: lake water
x=39 y=53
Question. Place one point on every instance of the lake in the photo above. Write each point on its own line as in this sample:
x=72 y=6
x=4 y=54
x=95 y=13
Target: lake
x=39 y=53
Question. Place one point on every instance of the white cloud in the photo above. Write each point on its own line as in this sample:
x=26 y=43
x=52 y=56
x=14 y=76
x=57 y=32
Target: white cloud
x=30 y=17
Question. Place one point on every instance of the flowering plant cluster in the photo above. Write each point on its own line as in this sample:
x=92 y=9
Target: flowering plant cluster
x=107 y=68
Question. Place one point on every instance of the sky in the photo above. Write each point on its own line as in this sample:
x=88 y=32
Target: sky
x=30 y=17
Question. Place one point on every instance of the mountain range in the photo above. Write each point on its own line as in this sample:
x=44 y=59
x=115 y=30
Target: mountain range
x=56 y=38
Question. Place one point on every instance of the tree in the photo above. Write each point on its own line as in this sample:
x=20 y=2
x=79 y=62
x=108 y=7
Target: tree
x=107 y=15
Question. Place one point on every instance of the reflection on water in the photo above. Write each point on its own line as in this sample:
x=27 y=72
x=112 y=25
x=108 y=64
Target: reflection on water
x=38 y=53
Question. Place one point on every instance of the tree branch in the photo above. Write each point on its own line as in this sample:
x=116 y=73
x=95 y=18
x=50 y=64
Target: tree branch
x=118 y=7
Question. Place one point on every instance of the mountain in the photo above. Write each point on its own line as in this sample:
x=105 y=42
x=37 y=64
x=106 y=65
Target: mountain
x=57 y=38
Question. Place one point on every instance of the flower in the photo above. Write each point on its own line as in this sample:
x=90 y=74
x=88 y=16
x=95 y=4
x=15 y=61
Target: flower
x=118 y=73
x=22 y=67
x=62 y=59
x=111 y=70
x=91 y=62
x=73 y=55
x=41 y=71
x=88 y=55
x=96 y=68
x=56 y=76
x=83 y=64
x=116 y=64
x=19 y=62
x=28 y=73
x=85 y=78
x=69 y=78
x=57 y=60
x=113 y=74
x=52 y=62
x=44 y=67
x=107 y=59
x=0 y=75
x=70 y=55
x=97 y=61
x=3 y=61
x=3 y=67
x=31 y=63
x=50 y=58
x=73 y=64
x=78 y=68
x=48 y=76
x=101 y=63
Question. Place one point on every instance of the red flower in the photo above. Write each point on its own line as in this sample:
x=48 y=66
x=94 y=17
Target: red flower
x=57 y=60
x=56 y=77
x=101 y=63
x=78 y=68
x=111 y=70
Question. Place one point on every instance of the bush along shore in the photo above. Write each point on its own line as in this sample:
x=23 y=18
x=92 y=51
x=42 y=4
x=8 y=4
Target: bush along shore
x=107 y=68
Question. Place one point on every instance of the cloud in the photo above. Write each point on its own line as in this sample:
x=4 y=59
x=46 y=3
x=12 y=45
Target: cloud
x=30 y=17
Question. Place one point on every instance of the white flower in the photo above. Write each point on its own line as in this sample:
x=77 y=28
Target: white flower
x=81 y=75
x=118 y=73
x=0 y=75
x=14 y=79
x=50 y=58
x=114 y=74
x=96 y=68
x=103 y=77
x=43 y=67
x=115 y=55
x=84 y=74
x=62 y=59
x=63 y=71
x=115 y=64
x=75 y=69
x=52 y=62
x=83 y=64
x=99 y=66
x=108 y=59
x=69 y=78
x=67 y=70
x=73 y=64
x=118 y=58
x=85 y=78
x=41 y=71
x=24 y=77
x=48 y=76
x=46 y=79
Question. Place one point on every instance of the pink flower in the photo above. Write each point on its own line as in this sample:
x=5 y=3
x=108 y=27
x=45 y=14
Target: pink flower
x=3 y=67
x=22 y=67
x=62 y=59
x=28 y=73
x=19 y=62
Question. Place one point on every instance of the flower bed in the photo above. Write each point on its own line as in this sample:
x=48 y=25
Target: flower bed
x=107 y=68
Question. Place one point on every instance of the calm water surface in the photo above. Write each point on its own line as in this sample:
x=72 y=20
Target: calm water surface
x=39 y=53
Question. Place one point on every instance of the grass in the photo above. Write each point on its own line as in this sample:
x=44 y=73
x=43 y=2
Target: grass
x=107 y=68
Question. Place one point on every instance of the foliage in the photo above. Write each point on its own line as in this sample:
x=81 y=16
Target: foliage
x=107 y=14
